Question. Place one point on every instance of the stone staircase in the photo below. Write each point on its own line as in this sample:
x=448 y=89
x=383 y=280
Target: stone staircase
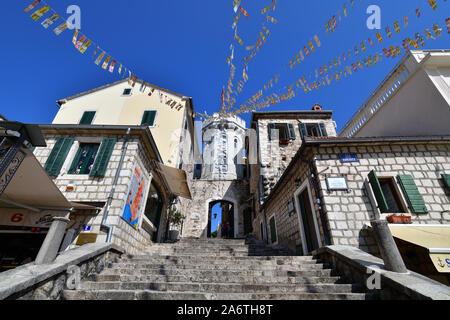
x=211 y=269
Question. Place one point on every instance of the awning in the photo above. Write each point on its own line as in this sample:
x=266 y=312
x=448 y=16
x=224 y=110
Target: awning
x=175 y=179
x=434 y=238
x=32 y=188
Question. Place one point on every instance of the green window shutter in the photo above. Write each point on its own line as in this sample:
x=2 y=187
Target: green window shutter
x=303 y=130
x=87 y=118
x=376 y=187
x=323 y=131
x=446 y=178
x=414 y=198
x=270 y=128
x=149 y=118
x=273 y=231
x=102 y=158
x=291 y=132
x=58 y=155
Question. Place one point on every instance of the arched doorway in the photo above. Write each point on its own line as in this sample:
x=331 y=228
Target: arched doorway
x=221 y=213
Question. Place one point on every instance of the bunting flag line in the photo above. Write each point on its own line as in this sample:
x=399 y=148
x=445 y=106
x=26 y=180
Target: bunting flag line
x=372 y=60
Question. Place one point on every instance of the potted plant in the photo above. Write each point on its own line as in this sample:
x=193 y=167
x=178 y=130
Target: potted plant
x=393 y=218
x=174 y=217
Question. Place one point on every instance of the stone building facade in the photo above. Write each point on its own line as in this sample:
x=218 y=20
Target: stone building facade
x=223 y=177
x=342 y=217
x=278 y=138
x=95 y=191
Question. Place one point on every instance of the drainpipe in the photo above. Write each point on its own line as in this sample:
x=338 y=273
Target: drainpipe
x=315 y=183
x=113 y=189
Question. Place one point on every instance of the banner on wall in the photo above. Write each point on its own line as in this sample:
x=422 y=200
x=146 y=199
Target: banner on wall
x=135 y=197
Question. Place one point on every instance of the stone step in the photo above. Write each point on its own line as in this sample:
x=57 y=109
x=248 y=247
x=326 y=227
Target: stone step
x=176 y=271
x=202 y=278
x=217 y=265
x=221 y=260
x=158 y=295
x=221 y=287
x=220 y=252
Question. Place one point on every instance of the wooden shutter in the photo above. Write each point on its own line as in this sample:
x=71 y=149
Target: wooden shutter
x=412 y=195
x=102 y=158
x=446 y=178
x=87 y=118
x=323 y=131
x=291 y=132
x=303 y=130
x=58 y=155
x=376 y=187
x=273 y=230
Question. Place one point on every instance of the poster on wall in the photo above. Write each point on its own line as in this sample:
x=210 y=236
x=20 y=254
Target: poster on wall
x=135 y=198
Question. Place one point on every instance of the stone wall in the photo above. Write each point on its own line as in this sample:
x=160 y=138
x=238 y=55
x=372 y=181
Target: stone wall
x=47 y=282
x=287 y=223
x=275 y=157
x=96 y=190
x=347 y=212
x=205 y=191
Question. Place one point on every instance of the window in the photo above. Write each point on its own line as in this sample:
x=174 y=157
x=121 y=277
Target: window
x=149 y=118
x=388 y=197
x=285 y=132
x=87 y=117
x=312 y=130
x=84 y=159
x=391 y=195
x=127 y=92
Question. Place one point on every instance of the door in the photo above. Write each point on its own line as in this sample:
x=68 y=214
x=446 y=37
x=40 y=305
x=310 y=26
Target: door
x=307 y=222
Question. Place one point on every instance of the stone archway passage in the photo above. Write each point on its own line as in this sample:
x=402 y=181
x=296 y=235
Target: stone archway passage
x=227 y=216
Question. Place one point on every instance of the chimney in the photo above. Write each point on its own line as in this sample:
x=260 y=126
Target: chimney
x=317 y=108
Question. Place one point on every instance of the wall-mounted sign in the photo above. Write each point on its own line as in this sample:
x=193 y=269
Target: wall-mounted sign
x=337 y=183
x=348 y=157
x=135 y=198
x=26 y=218
x=84 y=238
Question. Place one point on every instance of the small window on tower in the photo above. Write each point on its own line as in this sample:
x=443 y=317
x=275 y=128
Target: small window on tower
x=127 y=92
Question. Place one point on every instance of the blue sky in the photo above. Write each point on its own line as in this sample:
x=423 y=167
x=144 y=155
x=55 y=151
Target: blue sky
x=183 y=46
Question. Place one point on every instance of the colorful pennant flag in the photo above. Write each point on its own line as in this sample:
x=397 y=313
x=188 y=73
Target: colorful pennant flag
x=111 y=67
x=266 y=9
x=39 y=13
x=80 y=42
x=236 y=4
x=61 y=28
x=245 y=13
x=50 y=20
x=99 y=58
x=317 y=41
x=85 y=46
x=105 y=63
x=273 y=20
x=32 y=6
x=75 y=36
x=447 y=21
x=433 y=4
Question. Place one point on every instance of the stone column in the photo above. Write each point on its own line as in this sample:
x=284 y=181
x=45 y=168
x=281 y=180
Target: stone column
x=388 y=249
x=52 y=242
